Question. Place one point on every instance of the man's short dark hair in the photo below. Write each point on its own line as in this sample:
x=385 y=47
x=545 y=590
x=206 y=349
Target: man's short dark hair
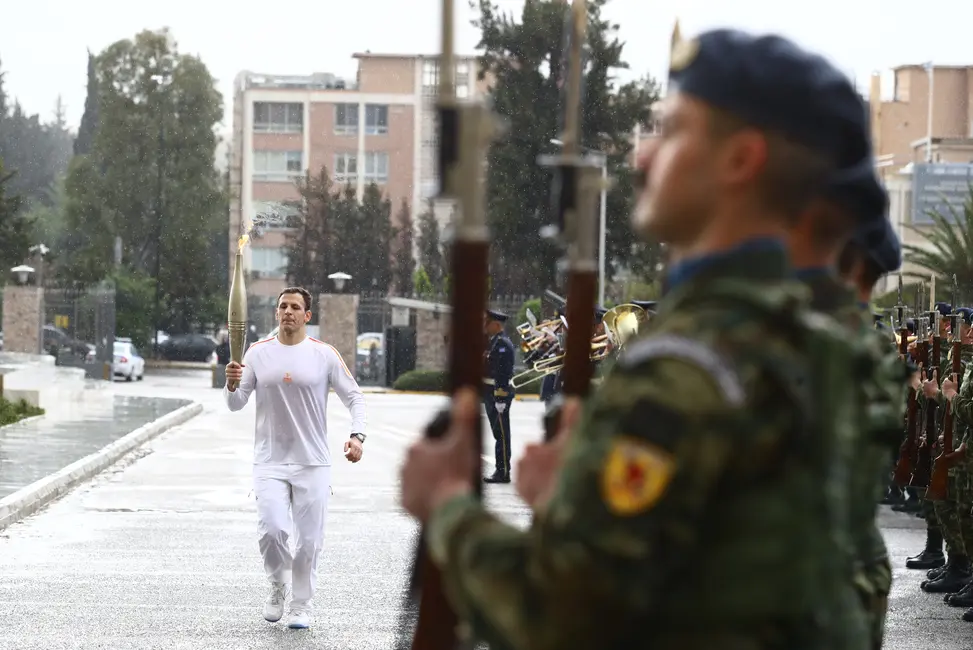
x=305 y=294
x=794 y=174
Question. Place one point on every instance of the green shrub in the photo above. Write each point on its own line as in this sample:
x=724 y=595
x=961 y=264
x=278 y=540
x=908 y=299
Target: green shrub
x=11 y=412
x=426 y=381
x=534 y=304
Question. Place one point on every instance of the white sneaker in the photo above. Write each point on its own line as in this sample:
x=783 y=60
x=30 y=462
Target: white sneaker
x=274 y=606
x=299 y=619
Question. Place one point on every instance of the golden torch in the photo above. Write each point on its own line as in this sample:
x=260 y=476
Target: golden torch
x=236 y=312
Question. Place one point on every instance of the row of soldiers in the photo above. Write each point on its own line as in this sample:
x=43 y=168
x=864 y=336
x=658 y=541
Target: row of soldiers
x=720 y=487
x=931 y=466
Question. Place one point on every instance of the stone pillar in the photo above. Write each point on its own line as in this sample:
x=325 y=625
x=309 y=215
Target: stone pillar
x=431 y=348
x=23 y=309
x=338 y=321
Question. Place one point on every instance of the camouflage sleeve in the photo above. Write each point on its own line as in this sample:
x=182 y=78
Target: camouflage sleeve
x=638 y=473
x=962 y=404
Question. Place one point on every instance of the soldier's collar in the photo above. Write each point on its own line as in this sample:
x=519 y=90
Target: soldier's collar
x=759 y=258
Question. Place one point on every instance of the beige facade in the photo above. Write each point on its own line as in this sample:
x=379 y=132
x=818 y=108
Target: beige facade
x=377 y=128
x=906 y=132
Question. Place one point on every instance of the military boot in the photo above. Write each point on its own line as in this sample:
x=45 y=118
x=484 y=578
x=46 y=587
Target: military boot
x=963 y=598
x=956 y=576
x=932 y=556
x=968 y=615
x=937 y=573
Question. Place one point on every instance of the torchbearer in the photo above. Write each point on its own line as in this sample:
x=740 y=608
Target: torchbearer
x=292 y=374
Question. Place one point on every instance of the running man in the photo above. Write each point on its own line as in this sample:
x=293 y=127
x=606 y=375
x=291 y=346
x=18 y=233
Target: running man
x=292 y=374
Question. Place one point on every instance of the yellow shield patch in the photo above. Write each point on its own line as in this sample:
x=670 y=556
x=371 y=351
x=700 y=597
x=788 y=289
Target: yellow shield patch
x=634 y=476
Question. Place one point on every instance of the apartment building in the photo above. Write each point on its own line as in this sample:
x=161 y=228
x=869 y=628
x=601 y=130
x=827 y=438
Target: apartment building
x=927 y=119
x=377 y=128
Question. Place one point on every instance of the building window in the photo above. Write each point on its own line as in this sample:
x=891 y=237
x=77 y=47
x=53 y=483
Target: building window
x=278 y=118
x=430 y=74
x=430 y=79
x=346 y=119
x=268 y=262
x=376 y=119
x=345 y=168
x=277 y=165
x=275 y=214
x=376 y=167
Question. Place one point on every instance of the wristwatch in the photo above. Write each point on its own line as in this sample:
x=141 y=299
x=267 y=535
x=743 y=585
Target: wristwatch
x=359 y=436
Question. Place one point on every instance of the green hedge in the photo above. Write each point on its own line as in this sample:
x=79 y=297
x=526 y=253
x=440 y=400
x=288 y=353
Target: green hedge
x=435 y=381
x=11 y=412
x=432 y=381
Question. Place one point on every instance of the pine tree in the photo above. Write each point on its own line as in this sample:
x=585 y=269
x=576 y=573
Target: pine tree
x=89 y=120
x=404 y=261
x=430 y=248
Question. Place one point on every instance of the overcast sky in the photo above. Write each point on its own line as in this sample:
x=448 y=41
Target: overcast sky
x=43 y=42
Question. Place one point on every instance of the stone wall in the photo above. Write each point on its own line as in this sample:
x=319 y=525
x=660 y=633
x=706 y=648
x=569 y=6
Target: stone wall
x=22 y=309
x=431 y=350
x=338 y=321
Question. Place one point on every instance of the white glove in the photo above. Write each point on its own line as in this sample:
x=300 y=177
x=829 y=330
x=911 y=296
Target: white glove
x=500 y=406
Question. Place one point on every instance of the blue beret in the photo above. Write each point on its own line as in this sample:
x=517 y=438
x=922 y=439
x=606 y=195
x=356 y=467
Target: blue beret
x=498 y=316
x=647 y=305
x=600 y=314
x=944 y=308
x=879 y=241
x=771 y=83
x=966 y=313
x=911 y=325
x=859 y=190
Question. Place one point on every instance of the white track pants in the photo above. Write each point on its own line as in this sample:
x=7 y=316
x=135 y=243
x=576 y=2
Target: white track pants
x=292 y=499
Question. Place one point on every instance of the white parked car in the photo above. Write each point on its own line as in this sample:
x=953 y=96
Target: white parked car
x=127 y=363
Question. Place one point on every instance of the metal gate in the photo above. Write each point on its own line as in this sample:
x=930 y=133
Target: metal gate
x=374 y=316
x=79 y=327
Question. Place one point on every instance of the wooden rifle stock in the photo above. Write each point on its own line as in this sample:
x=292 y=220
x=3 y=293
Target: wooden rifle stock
x=922 y=469
x=948 y=458
x=907 y=452
x=577 y=181
x=465 y=130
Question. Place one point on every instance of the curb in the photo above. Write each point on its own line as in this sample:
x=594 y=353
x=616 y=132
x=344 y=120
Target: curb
x=24 y=421
x=28 y=500
x=529 y=397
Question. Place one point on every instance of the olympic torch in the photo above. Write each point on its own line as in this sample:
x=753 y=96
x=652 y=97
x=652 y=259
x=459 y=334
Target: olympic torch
x=236 y=312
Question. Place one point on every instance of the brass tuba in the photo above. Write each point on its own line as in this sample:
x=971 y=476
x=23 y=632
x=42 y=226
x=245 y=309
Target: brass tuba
x=623 y=322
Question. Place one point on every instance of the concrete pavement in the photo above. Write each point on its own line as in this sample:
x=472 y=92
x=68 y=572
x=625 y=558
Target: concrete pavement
x=161 y=553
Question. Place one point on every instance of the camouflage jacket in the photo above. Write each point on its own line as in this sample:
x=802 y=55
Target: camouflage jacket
x=696 y=504
x=883 y=399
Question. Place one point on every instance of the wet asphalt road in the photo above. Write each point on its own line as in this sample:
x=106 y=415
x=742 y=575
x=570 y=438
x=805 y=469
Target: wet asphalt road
x=161 y=553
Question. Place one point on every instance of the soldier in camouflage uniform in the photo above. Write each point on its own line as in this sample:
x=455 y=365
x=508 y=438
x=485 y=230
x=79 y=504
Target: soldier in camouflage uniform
x=955 y=574
x=873 y=252
x=958 y=392
x=689 y=512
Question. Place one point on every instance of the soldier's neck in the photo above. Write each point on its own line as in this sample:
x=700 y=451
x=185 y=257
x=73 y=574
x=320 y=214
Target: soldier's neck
x=723 y=235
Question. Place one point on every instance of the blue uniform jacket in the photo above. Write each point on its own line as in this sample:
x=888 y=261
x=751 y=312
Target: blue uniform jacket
x=500 y=361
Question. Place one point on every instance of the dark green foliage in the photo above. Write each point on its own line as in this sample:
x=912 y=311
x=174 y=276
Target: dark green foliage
x=403 y=263
x=148 y=177
x=15 y=227
x=948 y=251
x=334 y=233
x=432 y=381
x=518 y=55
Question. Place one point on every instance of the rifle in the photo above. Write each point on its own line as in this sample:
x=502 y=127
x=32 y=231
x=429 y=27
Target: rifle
x=576 y=183
x=931 y=355
x=465 y=131
x=908 y=452
x=938 y=483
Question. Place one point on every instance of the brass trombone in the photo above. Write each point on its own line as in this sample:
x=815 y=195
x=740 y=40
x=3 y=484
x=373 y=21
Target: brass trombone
x=621 y=324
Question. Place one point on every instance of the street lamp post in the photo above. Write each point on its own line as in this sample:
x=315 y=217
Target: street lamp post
x=602 y=217
x=339 y=280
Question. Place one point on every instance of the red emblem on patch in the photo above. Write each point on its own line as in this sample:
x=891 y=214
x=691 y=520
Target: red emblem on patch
x=287 y=378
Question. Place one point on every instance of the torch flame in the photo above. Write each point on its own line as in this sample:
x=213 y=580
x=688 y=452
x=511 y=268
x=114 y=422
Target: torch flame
x=245 y=237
